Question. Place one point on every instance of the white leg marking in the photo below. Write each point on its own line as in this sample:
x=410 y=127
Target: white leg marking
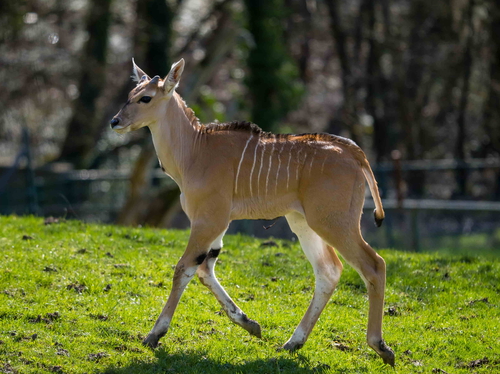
x=260 y=169
x=278 y=170
x=239 y=165
x=217 y=243
x=270 y=166
x=253 y=166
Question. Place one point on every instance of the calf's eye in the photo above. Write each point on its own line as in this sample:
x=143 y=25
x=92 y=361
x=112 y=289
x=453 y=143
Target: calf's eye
x=145 y=99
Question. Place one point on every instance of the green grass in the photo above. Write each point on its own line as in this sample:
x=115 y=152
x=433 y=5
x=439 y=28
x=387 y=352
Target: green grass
x=78 y=298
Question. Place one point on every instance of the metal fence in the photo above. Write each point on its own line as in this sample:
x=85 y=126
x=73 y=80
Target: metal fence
x=89 y=195
x=414 y=224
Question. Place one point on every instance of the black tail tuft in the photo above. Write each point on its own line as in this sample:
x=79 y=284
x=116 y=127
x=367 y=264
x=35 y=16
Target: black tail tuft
x=378 y=221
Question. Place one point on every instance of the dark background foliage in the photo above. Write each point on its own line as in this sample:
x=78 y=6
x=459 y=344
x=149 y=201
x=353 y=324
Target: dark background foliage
x=414 y=83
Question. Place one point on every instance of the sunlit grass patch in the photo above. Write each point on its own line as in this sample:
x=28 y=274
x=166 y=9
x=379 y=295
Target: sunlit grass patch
x=79 y=298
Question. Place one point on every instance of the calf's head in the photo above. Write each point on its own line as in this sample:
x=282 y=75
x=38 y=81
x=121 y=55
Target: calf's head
x=147 y=102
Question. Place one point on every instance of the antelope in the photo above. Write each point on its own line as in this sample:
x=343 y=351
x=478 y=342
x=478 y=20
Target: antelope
x=237 y=171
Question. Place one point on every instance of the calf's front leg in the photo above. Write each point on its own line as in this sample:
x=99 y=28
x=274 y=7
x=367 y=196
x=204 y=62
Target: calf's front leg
x=195 y=254
x=207 y=277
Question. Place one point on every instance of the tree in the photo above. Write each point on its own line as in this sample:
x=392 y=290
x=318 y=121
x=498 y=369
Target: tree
x=348 y=115
x=273 y=78
x=460 y=148
x=491 y=148
x=492 y=109
x=85 y=125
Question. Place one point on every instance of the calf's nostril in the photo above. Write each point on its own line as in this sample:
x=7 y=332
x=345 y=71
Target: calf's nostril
x=114 y=122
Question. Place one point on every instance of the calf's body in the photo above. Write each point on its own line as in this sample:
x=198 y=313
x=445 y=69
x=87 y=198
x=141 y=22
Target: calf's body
x=237 y=171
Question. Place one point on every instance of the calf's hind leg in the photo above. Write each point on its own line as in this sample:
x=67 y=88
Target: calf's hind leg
x=371 y=267
x=327 y=269
x=207 y=277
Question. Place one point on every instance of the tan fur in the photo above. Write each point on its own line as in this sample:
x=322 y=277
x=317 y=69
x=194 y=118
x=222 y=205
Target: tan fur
x=236 y=171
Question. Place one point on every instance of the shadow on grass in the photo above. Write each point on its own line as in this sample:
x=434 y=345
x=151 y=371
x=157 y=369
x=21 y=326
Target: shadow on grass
x=196 y=362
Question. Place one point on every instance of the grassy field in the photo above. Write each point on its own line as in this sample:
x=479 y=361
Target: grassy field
x=78 y=298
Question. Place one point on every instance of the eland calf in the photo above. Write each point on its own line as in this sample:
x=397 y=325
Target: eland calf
x=237 y=171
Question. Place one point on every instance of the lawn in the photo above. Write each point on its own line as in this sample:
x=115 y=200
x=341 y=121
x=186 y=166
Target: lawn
x=79 y=298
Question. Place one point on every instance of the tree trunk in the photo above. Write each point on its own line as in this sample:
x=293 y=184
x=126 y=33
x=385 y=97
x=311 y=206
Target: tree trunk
x=348 y=115
x=410 y=83
x=154 y=32
x=217 y=46
x=461 y=174
x=85 y=125
x=272 y=80
x=375 y=95
x=134 y=210
x=492 y=109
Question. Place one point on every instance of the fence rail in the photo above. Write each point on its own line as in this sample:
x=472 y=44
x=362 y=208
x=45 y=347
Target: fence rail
x=434 y=204
x=98 y=195
x=436 y=165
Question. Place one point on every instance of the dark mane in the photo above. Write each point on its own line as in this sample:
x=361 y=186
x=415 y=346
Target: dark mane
x=234 y=126
x=252 y=128
x=325 y=137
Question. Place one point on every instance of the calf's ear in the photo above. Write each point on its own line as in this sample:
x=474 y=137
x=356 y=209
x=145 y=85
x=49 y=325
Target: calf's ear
x=138 y=75
x=174 y=76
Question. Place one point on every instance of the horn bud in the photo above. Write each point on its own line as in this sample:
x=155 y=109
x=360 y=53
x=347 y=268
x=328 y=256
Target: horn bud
x=154 y=81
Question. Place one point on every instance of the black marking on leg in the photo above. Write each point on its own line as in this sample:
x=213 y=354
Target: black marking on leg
x=199 y=260
x=384 y=347
x=214 y=253
x=245 y=319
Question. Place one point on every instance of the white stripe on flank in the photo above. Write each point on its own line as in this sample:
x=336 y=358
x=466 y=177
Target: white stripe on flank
x=323 y=165
x=260 y=169
x=311 y=164
x=288 y=167
x=270 y=166
x=239 y=165
x=253 y=166
x=278 y=170
x=298 y=165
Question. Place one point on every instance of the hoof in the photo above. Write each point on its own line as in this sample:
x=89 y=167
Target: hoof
x=253 y=328
x=151 y=341
x=292 y=347
x=386 y=353
x=248 y=324
x=389 y=359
